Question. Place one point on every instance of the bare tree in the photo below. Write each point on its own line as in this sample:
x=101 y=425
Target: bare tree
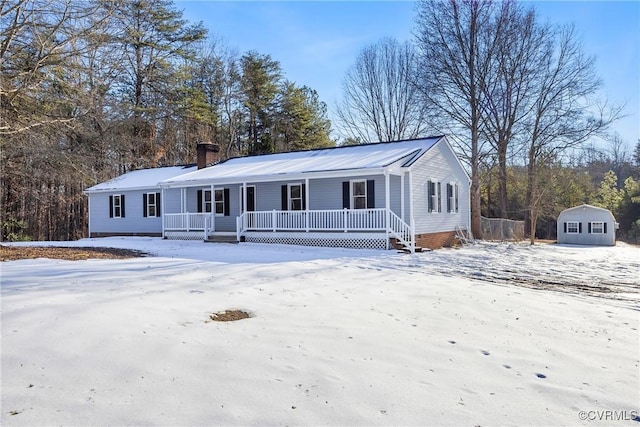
x=38 y=39
x=457 y=44
x=508 y=90
x=564 y=112
x=380 y=103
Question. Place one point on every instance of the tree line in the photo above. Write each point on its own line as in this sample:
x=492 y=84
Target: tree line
x=517 y=96
x=92 y=89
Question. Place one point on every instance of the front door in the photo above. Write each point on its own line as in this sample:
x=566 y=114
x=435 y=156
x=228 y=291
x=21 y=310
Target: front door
x=251 y=204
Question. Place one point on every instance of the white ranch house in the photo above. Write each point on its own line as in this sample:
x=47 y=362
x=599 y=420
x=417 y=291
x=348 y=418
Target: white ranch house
x=412 y=193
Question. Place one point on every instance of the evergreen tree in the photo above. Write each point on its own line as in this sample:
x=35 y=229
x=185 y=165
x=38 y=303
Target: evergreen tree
x=608 y=195
x=259 y=87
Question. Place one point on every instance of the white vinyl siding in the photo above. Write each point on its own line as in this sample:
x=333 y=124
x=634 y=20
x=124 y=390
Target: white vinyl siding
x=438 y=165
x=133 y=221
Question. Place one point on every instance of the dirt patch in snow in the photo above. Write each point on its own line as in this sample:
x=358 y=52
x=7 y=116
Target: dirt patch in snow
x=229 y=316
x=13 y=253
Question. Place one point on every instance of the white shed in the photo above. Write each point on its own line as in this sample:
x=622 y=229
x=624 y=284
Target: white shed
x=587 y=225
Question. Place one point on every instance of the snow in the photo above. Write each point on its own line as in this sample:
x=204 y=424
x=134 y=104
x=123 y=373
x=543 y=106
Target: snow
x=141 y=179
x=483 y=335
x=356 y=157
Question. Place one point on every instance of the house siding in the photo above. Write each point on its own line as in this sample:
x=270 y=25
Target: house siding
x=439 y=164
x=584 y=215
x=134 y=223
x=171 y=201
x=323 y=193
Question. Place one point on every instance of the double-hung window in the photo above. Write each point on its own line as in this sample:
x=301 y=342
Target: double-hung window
x=434 y=201
x=116 y=206
x=572 y=227
x=452 y=198
x=206 y=201
x=597 y=227
x=295 y=197
x=219 y=201
x=151 y=205
x=359 y=194
x=216 y=202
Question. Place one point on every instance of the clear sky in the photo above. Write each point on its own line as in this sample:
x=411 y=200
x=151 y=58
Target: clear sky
x=317 y=41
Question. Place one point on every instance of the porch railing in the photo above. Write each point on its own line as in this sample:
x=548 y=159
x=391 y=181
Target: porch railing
x=318 y=220
x=328 y=220
x=186 y=221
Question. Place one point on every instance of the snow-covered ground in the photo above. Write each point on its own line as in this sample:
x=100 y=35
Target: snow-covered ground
x=491 y=334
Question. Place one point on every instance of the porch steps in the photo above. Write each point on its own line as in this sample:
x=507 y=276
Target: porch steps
x=404 y=249
x=221 y=239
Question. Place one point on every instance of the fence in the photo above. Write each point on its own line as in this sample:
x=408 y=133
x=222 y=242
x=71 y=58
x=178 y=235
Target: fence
x=501 y=229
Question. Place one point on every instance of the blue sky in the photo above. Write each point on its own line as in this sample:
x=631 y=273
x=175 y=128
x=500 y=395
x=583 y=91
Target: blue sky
x=316 y=42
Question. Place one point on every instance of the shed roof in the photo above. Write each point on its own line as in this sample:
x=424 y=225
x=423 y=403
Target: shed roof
x=585 y=207
x=346 y=158
x=140 y=179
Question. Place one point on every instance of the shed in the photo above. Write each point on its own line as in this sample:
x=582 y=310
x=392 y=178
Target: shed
x=587 y=225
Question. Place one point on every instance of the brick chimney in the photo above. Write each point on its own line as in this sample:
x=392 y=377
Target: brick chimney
x=207 y=153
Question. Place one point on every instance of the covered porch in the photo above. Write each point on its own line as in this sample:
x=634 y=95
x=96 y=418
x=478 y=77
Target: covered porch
x=373 y=208
x=345 y=225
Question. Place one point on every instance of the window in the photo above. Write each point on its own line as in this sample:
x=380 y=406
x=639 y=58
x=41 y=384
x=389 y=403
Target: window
x=151 y=205
x=452 y=198
x=116 y=206
x=597 y=227
x=216 y=202
x=219 y=201
x=295 y=197
x=206 y=201
x=434 y=201
x=358 y=194
x=572 y=227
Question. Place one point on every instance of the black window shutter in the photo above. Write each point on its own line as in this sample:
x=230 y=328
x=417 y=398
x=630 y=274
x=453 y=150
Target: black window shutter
x=144 y=205
x=345 y=195
x=371 y=194
x=579 y=227
x=122 y=205
x=158 y=204
x=605 y=228
x=429 y=198
x=304 y=197
x=449 y=195
x=226 y=202
x=110 y=206
x=565 y=227
x=199 y=200
x=589 y=228
x=284 y=197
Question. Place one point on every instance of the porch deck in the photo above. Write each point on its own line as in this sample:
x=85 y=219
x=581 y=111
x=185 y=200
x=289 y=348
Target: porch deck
x=338 y=227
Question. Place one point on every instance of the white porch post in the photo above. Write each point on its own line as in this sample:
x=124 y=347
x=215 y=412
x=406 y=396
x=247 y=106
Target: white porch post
x=244 y=213
x=212 y=214
x=402 y=197
x=306 y=204
x=89 y=216
x=163 y=208
x=387 y=201
x=411 y=203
